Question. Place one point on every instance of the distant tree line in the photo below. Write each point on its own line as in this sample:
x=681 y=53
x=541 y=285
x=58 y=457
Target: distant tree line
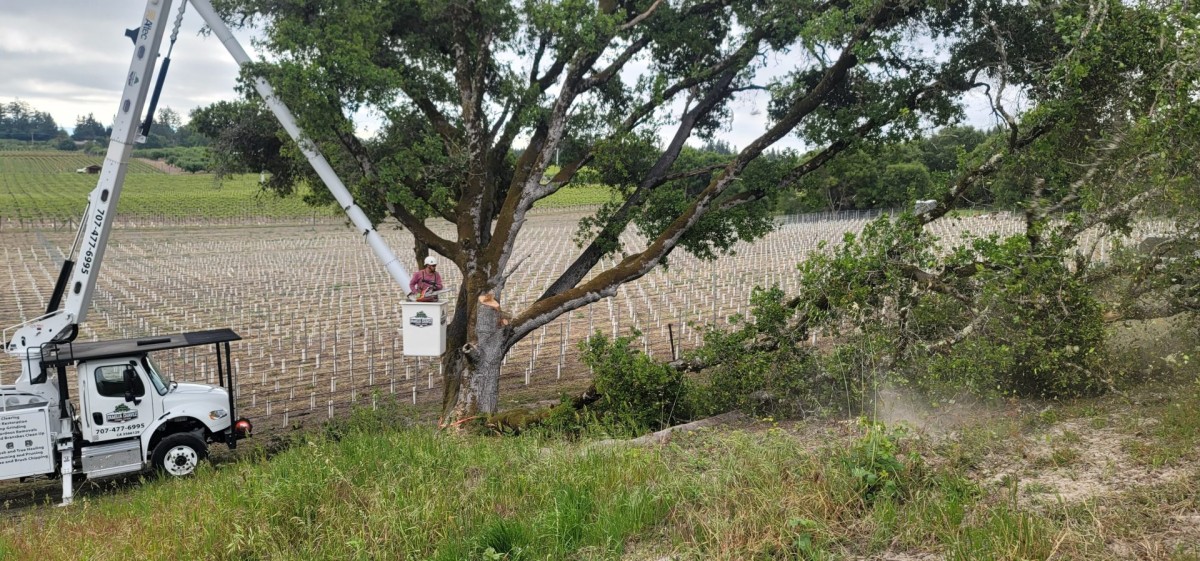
x=871 y=176
x=165 y=132
x=889 y=175
x=24 y=127
x=20 y=121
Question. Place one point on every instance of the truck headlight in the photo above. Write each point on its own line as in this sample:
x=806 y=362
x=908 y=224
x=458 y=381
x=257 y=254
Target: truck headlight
x=218 y=414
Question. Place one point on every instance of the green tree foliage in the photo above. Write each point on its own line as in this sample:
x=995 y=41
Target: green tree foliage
x=1003 y=320
x=1108 y=148
x=636 y=393
x=765 y=368
x=942 y=151
x=167 y=131
x=164 y=130
x=245 y=138
x=88 y=128
x=191 y=159
x=886 y=176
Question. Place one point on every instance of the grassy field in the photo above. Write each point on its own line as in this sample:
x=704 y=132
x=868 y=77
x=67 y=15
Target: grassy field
x=40 y=186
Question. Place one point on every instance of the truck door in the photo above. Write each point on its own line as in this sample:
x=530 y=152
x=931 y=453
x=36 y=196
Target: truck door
x=118 y=401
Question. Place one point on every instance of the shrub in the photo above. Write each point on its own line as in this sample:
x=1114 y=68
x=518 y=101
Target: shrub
x=765 y=367
x=190 y=158
x=636 y=392
x=874 y=463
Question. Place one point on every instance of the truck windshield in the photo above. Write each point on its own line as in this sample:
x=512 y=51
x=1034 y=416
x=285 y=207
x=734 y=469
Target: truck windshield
x=155 y=378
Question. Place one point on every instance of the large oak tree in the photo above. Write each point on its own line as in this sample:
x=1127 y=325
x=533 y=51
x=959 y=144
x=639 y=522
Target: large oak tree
x=618 y=87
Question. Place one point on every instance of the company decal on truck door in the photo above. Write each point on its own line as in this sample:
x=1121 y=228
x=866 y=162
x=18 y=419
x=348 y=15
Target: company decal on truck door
x=121 y=414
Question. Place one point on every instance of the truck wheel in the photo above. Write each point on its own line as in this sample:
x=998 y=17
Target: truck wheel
x=179 y=454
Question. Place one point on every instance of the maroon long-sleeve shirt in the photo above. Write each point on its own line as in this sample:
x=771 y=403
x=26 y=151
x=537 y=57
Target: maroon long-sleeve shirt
x=425 y=282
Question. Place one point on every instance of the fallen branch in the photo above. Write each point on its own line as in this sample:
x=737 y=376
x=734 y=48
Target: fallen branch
x=515 y=420
x=663 y=436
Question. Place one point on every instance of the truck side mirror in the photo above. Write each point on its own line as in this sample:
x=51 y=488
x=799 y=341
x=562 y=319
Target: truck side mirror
x=129 y=374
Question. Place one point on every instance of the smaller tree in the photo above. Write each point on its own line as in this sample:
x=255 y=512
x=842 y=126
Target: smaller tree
x=245 y=137
x=88 y=128
x=165 y=129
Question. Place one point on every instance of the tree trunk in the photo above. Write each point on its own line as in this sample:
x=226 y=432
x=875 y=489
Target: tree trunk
x=472 y=361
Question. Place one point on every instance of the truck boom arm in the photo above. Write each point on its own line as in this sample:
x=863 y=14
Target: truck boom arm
x=318 y=162
x=87 y=252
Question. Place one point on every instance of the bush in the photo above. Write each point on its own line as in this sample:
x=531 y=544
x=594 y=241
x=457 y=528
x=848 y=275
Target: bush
x=874 y=464
x=191 y=159
x=766 y=367
x=637 y=394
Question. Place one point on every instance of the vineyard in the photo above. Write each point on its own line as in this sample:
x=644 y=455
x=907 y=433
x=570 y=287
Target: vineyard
x=320 y=317
x=43 y=191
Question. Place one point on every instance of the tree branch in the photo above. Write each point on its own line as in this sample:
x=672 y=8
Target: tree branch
x=637 y=265
x=640 y=17
x=657 y=175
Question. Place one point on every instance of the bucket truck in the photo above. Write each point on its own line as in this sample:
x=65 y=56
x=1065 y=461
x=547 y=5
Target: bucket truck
x=129 y=417
x=126 y=415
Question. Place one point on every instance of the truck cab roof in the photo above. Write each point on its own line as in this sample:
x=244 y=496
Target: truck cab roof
x=69 y=353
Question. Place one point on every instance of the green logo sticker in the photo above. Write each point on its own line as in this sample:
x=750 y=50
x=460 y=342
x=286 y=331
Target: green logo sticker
x=121 y=414
x=420 y=319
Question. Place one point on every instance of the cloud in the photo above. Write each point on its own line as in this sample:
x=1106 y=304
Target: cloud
x=70 y=58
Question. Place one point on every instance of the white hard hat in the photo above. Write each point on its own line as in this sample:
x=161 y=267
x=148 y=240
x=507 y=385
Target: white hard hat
x=431 y=260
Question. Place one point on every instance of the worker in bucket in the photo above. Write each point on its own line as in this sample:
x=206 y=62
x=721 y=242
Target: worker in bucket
x=427 y=282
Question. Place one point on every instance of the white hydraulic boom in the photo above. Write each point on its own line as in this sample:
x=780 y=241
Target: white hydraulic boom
x=318 y=162
x=87 y=252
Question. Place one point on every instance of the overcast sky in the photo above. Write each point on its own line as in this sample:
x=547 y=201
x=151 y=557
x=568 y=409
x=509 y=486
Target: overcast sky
x=69 y=58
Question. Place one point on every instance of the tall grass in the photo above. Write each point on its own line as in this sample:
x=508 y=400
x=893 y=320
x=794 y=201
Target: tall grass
x=405 y=494
x=369 y=490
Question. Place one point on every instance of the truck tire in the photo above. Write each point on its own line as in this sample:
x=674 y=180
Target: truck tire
x=180 y=454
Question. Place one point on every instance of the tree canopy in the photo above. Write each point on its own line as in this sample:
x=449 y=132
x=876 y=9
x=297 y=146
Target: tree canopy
x=88 y=128
x=1107 y=148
